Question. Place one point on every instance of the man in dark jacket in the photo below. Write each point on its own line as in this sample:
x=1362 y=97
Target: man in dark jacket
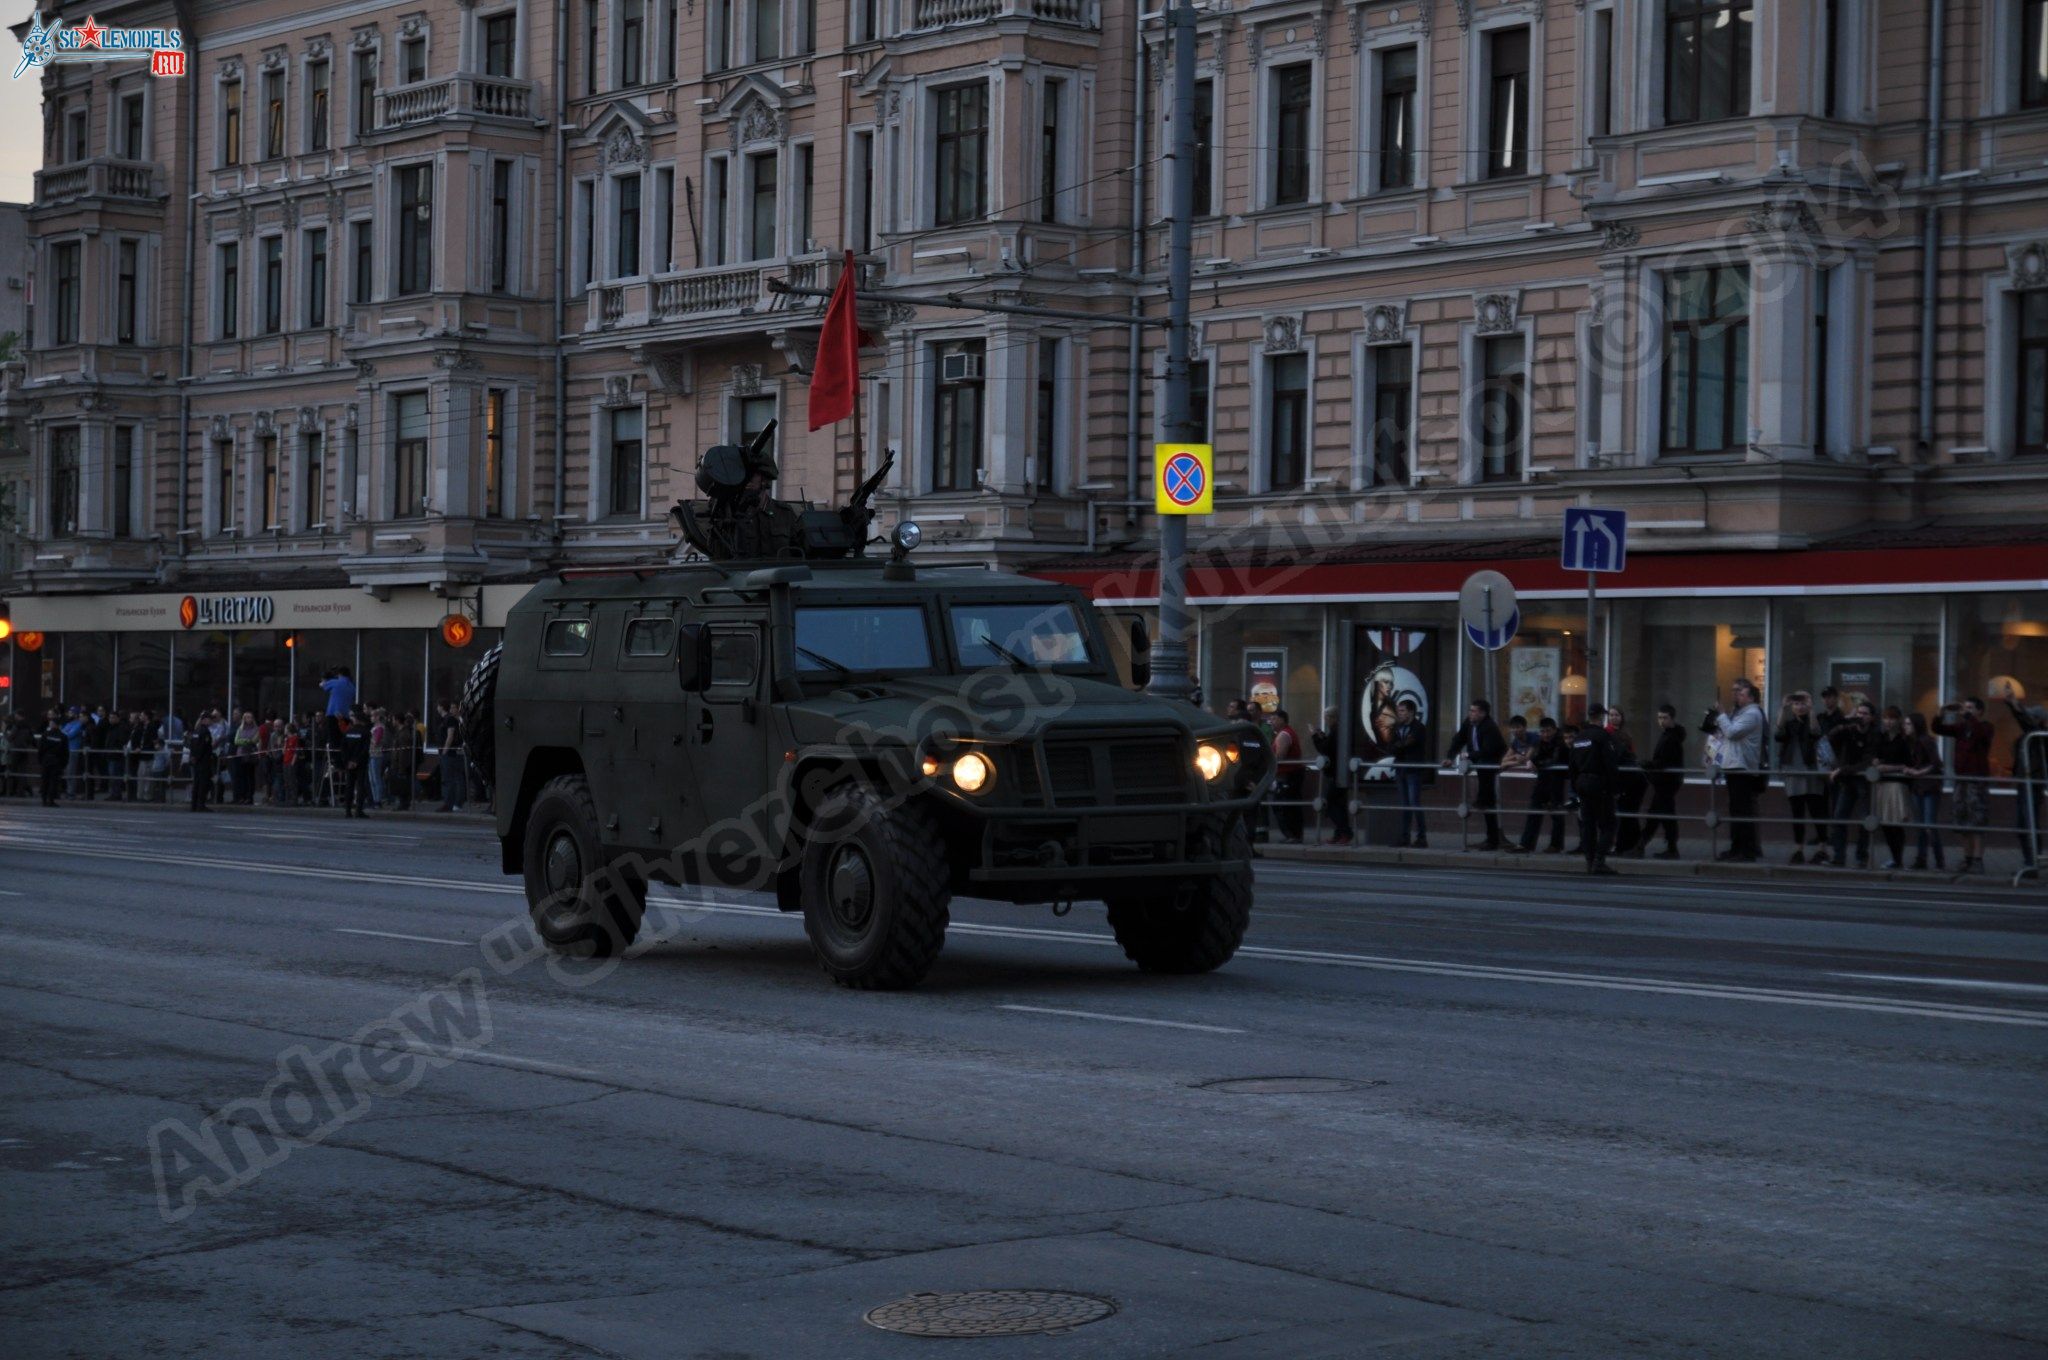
x=199 y=761
x=1665 y=771
x=1336 y=783
x=1595 y=765
x=1480 y=739
x=53 y=754
x=1851 y=740
x=1964 y=721
x=1408 y=744
x=354 y=757
x=1551 y=760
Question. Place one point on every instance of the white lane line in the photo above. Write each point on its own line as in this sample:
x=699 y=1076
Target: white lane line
x=394 y=935
x=1980 y=984
x=1479 y=972
x=7 y=892
x=535 y=1064
x=1123 y=1019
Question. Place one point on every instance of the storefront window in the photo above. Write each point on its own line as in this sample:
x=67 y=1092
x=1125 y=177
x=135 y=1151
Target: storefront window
x=393 y=673
x=88 y=675
x=145 y=672
x=315 y=653
x=199 y=672
x=1271 y=654
x=448 y=670
x=1883 y=648
x=1401 y=651
x=263 y=674
x=1686 y=653
x=1542 y=673
x=2002 y=640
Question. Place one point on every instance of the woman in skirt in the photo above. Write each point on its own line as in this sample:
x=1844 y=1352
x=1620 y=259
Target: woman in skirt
x=1892 y=800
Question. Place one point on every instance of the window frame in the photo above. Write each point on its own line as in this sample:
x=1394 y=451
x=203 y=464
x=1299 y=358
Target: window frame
x=314 y=257
x=2025 y=345
x=319 y=128
x=950 y=173
x=413 y=241
x=66 y=482
x=227 y=259
x=497 y=409
x=1741 y=93
x=127 y=290
x=1290 y=180
x=503 y=187
x=411 y=455
x=1277 y=404
x=228 y=146
x=945 y=472
x=270 y=287
x=275 y=120
x=1482 y=379
x=637 y=510
x=1497 y=161
x=1736 y=358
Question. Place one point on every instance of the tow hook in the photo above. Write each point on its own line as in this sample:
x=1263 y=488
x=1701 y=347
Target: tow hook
x=1061 y=908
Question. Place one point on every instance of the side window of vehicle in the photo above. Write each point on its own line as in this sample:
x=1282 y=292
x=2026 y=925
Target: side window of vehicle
x=650 y=636
x=567 y=637
x=735 y=657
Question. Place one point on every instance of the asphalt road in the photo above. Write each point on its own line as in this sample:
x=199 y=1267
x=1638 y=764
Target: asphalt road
x=1565 y=1118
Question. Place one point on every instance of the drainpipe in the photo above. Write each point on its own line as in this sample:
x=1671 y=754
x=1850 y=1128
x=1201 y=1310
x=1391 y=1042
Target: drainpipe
x=1133 y=387
x=561 y=119
x=1930 y=219
x=190 y=33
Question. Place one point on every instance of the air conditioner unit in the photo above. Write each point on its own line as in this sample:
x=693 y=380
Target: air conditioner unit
x=960 y=368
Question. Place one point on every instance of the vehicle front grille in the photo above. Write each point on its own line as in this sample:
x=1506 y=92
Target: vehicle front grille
x=1070 y=771
x=1125 y=773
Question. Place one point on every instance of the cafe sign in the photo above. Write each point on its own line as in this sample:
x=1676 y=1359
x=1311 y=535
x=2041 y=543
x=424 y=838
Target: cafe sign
x=226 y=611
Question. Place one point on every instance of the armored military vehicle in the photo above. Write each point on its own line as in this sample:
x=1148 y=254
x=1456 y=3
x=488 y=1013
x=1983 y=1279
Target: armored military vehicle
x=865 y=737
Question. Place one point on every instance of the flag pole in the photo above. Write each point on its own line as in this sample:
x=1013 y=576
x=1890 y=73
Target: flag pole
x=853 y=295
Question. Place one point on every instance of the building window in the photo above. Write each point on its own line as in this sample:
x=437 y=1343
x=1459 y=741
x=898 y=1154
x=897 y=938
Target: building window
x=1823 y=280
x=317 y=75
x=316 y=277
x=1706 y=360
x=314 y=493
x=76 y=134
x=132 y=147
x=501 y=226
x=628 y=425
x=1205 y=148
x=626 y=218
x=1293 y=95
x=962 y=154
x=2033 y=375
x=1502 y=386
x=805 y=186
x=1049 y=101
x=231 y=123
x=127 y=254
x=755 y=412
x=669 y=37
x=230 y=256
x=1599 y=82
x=273 y=482
x=586 y=233
x=863 y=188
x=956 y=415
x=1198 y=399
x=632 y=40
x=1507 y=107
x=494 y=452
x=1286 y=421
x=716 y=199
x=2033 y=37
x=1393 y=404
x=273 y=115
x=273 y=284
x=589 y=47
x=63 y=481
x=412 y=60
x=1045 y=449
x=409 y=456
x=1396 y=141
x=366 y=93
x=124 y=481
x=761 y=191
x=500 y=34
x=415 y=228
x=363 y=247
x=767 y=33
x=1706 y=59
x=224 y=483
x=866 y=21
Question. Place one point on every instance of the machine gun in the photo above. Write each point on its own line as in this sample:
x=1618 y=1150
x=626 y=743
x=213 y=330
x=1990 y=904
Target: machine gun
x=739 y=517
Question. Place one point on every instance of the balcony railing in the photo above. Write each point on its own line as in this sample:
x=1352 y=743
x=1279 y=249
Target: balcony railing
x=945 y=13
x=465 y=95
x=720 y=293
x=100 y=177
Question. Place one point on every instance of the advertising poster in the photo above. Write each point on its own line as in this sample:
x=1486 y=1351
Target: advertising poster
x=1391 y=664
x=1265 y=671
x=1533 y=677
x=1859 y=682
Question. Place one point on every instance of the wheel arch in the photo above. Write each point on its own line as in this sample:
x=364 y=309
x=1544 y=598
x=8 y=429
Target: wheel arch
x=542 y=764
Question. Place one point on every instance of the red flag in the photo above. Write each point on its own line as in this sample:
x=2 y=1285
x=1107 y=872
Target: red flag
x=837 y=370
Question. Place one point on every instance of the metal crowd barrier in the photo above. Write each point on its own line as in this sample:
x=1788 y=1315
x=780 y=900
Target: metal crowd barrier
x=138 y=780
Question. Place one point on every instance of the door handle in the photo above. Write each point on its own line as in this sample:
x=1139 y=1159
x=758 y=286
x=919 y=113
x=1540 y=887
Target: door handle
x=704 y=726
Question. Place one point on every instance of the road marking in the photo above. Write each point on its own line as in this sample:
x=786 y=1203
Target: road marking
x=6 y=892
x=1875 y=1005
x=506 y=1059
x=1982 y=984
x=393 y=935
x=1123 y=1019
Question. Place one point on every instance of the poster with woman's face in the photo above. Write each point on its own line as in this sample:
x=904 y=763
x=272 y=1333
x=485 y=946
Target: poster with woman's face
x=1395 y=664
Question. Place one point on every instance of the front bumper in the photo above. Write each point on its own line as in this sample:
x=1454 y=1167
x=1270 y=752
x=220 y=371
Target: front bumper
x=1029 y=846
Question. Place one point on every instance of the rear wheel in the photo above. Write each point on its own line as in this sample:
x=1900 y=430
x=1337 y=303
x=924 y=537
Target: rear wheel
x=875 y=891
x=479 y=708
x=582 y=906
x=1193 y=929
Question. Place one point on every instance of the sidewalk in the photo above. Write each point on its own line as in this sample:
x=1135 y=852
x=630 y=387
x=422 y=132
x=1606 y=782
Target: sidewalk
x=429 y=813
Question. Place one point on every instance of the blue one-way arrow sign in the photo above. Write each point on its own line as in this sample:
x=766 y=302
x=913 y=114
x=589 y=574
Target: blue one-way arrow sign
x=1595 y=540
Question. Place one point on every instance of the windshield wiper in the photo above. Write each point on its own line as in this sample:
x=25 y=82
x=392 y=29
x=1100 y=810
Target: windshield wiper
x=825 y=661
x=1016 y=662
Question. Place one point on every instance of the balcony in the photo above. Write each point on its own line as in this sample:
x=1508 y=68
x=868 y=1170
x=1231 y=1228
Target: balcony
x=930 y=14
x=100 y=177
x=458 y=96
x=721 y=300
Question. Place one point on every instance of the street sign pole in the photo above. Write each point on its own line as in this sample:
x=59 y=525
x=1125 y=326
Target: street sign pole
x=1170 y=678
x=1593 y=678
x=1485 y=656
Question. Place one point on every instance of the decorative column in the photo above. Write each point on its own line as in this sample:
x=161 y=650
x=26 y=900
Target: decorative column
x=1780 y=247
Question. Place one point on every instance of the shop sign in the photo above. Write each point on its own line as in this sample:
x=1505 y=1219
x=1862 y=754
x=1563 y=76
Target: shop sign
x=1265 y=674
x=226 y=611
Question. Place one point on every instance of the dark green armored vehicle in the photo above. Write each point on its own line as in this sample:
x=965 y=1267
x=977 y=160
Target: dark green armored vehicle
x=865 y=739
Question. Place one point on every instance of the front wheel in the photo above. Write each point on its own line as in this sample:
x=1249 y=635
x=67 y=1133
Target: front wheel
x=582 y=907
x=1193 y=929
x=875 y=890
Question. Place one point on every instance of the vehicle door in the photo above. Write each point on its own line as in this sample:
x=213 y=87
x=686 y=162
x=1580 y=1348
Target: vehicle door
x=733 y=748
x=650 y=758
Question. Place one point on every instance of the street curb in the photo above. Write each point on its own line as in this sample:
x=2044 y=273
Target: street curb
x=1501 y=861
x=325 y=813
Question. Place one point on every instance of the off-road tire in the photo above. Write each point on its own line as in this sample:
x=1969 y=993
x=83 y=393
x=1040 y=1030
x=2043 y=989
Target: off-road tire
x=582 y=906
x=479 y=716
x=1168 y=931
x=888 y=939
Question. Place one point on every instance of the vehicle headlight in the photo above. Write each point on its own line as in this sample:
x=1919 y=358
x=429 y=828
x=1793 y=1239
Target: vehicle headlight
x=973 y=772
x=1210 y=761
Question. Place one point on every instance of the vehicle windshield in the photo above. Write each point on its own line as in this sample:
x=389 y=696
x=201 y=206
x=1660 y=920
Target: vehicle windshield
x=847 y=639
x=1028 y=633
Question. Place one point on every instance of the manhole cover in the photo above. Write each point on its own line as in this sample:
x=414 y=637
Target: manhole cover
x=1285 y=1086
x=989 y=1312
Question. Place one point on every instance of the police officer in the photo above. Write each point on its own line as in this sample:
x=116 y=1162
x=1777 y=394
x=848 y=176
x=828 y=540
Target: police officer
x=354 y=756
x=199 y=760
x=1595 y=763
x=53 y=754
